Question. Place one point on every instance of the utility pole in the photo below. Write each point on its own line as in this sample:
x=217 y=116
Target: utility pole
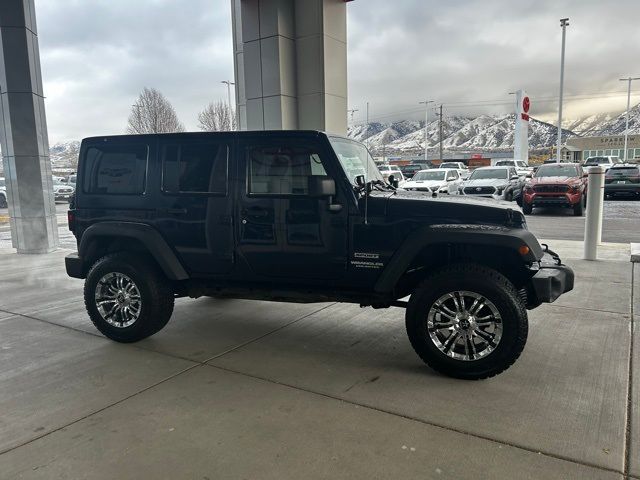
x=426 y=124
x=564 y=22
x=440 y=134
x=231 y=110
x=626 y=129
x=351 y=112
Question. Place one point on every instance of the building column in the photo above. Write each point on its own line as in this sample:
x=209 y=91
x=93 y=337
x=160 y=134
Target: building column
x=290 y=59
x=23 y=132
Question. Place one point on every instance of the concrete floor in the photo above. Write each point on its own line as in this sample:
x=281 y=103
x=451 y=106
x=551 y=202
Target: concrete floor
x=245 y=389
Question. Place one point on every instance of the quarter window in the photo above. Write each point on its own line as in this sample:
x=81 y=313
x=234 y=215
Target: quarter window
x=195 y=168
x=115 y=169
x=282 y=170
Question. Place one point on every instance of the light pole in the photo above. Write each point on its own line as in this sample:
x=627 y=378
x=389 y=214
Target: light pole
x=626 y=129
x=426 y=124
x=231 y=110
x=564 y=22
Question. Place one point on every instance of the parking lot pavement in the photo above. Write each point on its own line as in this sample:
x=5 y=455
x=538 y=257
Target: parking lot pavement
x=621 y=222
x=234 y=388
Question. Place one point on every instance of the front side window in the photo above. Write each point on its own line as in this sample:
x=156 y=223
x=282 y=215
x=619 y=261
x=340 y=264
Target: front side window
x=195 y=168
x=282 y=170
x=115 y=169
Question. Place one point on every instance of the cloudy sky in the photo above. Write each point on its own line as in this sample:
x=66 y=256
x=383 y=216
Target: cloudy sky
x=98 y=54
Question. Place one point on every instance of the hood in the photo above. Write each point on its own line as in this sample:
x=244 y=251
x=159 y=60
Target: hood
x=552 y=180
x=451 y=209
x=423 y=183
x=486 y=182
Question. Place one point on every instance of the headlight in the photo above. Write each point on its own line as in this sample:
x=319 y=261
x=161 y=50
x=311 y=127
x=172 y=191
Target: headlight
x=442 y=188
x=528 y=188
x=574 y=188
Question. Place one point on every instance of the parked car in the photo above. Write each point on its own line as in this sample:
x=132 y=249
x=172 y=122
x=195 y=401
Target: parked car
x=622 y=179
x=463 y=170
x=521 y=166
x=387 y=170
x=411 y=169
x=605 y=162
x=3 y=193
x=501 y=183
x=435 y=180
x=62 y=191
x=556 y=185
x=289 y=216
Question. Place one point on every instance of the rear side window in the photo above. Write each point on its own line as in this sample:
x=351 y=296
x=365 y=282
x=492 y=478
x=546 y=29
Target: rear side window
x=623 y=171
x=195 y=168
x=115 y=169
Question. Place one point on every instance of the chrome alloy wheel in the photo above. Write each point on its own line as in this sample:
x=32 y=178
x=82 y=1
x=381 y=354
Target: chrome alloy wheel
x=464 y=325
x=118 y=300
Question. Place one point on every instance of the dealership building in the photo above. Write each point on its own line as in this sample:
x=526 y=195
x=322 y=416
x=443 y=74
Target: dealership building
x=581 y=148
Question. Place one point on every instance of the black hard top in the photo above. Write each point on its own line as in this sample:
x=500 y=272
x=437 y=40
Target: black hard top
x=200 y=135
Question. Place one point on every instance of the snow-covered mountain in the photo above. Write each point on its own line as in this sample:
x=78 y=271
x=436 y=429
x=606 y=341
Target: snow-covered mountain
x=485 y=133
x=65 y=154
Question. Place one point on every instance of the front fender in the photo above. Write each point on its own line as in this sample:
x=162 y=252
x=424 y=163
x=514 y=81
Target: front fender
x=471 y=234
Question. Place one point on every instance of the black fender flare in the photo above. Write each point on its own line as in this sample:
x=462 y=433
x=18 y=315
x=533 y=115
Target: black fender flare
x=147 y=235
x=485 y=235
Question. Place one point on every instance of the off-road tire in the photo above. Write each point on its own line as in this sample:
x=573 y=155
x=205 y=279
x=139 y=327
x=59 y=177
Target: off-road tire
x=156 y=296
x=491 y=285
x=508 y=196
x=527 y=208
x=578 y=209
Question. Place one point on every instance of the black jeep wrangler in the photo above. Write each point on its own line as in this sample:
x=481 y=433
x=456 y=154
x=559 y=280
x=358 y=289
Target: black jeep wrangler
x=301 y=216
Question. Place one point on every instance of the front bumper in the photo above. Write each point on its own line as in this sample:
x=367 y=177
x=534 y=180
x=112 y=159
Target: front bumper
x=550 y=281
x=622 y=188
x=539 y=200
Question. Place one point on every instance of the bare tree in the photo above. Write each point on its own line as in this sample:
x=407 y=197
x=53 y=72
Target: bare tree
x=217 y=117
x=153 y=113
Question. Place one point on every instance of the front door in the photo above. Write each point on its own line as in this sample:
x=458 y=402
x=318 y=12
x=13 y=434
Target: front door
x=283 y=230
x=196 y=212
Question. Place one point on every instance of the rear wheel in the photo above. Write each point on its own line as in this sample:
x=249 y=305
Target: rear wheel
x=578 y=208
x=127 y=297
x=527 y=208
x=467 y=321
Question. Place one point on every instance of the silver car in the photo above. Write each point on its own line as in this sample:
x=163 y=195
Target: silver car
x=501 y=183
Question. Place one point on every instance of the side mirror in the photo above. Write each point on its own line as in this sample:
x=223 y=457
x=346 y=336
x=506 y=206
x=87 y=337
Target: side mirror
x=360 y=181
x=321 y=186
x=514 y=177
x=392 y=180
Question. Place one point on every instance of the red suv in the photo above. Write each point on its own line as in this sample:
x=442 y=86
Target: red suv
x=556 y=185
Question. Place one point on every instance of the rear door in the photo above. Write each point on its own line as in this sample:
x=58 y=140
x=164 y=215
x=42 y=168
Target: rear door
x=282 y=230
x=195 y=213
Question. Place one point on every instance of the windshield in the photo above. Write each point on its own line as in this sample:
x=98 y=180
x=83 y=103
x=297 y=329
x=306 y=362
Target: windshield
x=355 y=159
x=557 y=171
x=489 y=173
x=624 y=172
x=430 y=175
x=505 y=163
x=596 y=161
x=449 y=165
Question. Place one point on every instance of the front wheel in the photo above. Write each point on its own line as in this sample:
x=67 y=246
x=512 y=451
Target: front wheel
x=467 y=321
x=127 y=297
x=578 y=208
x=527 y=208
